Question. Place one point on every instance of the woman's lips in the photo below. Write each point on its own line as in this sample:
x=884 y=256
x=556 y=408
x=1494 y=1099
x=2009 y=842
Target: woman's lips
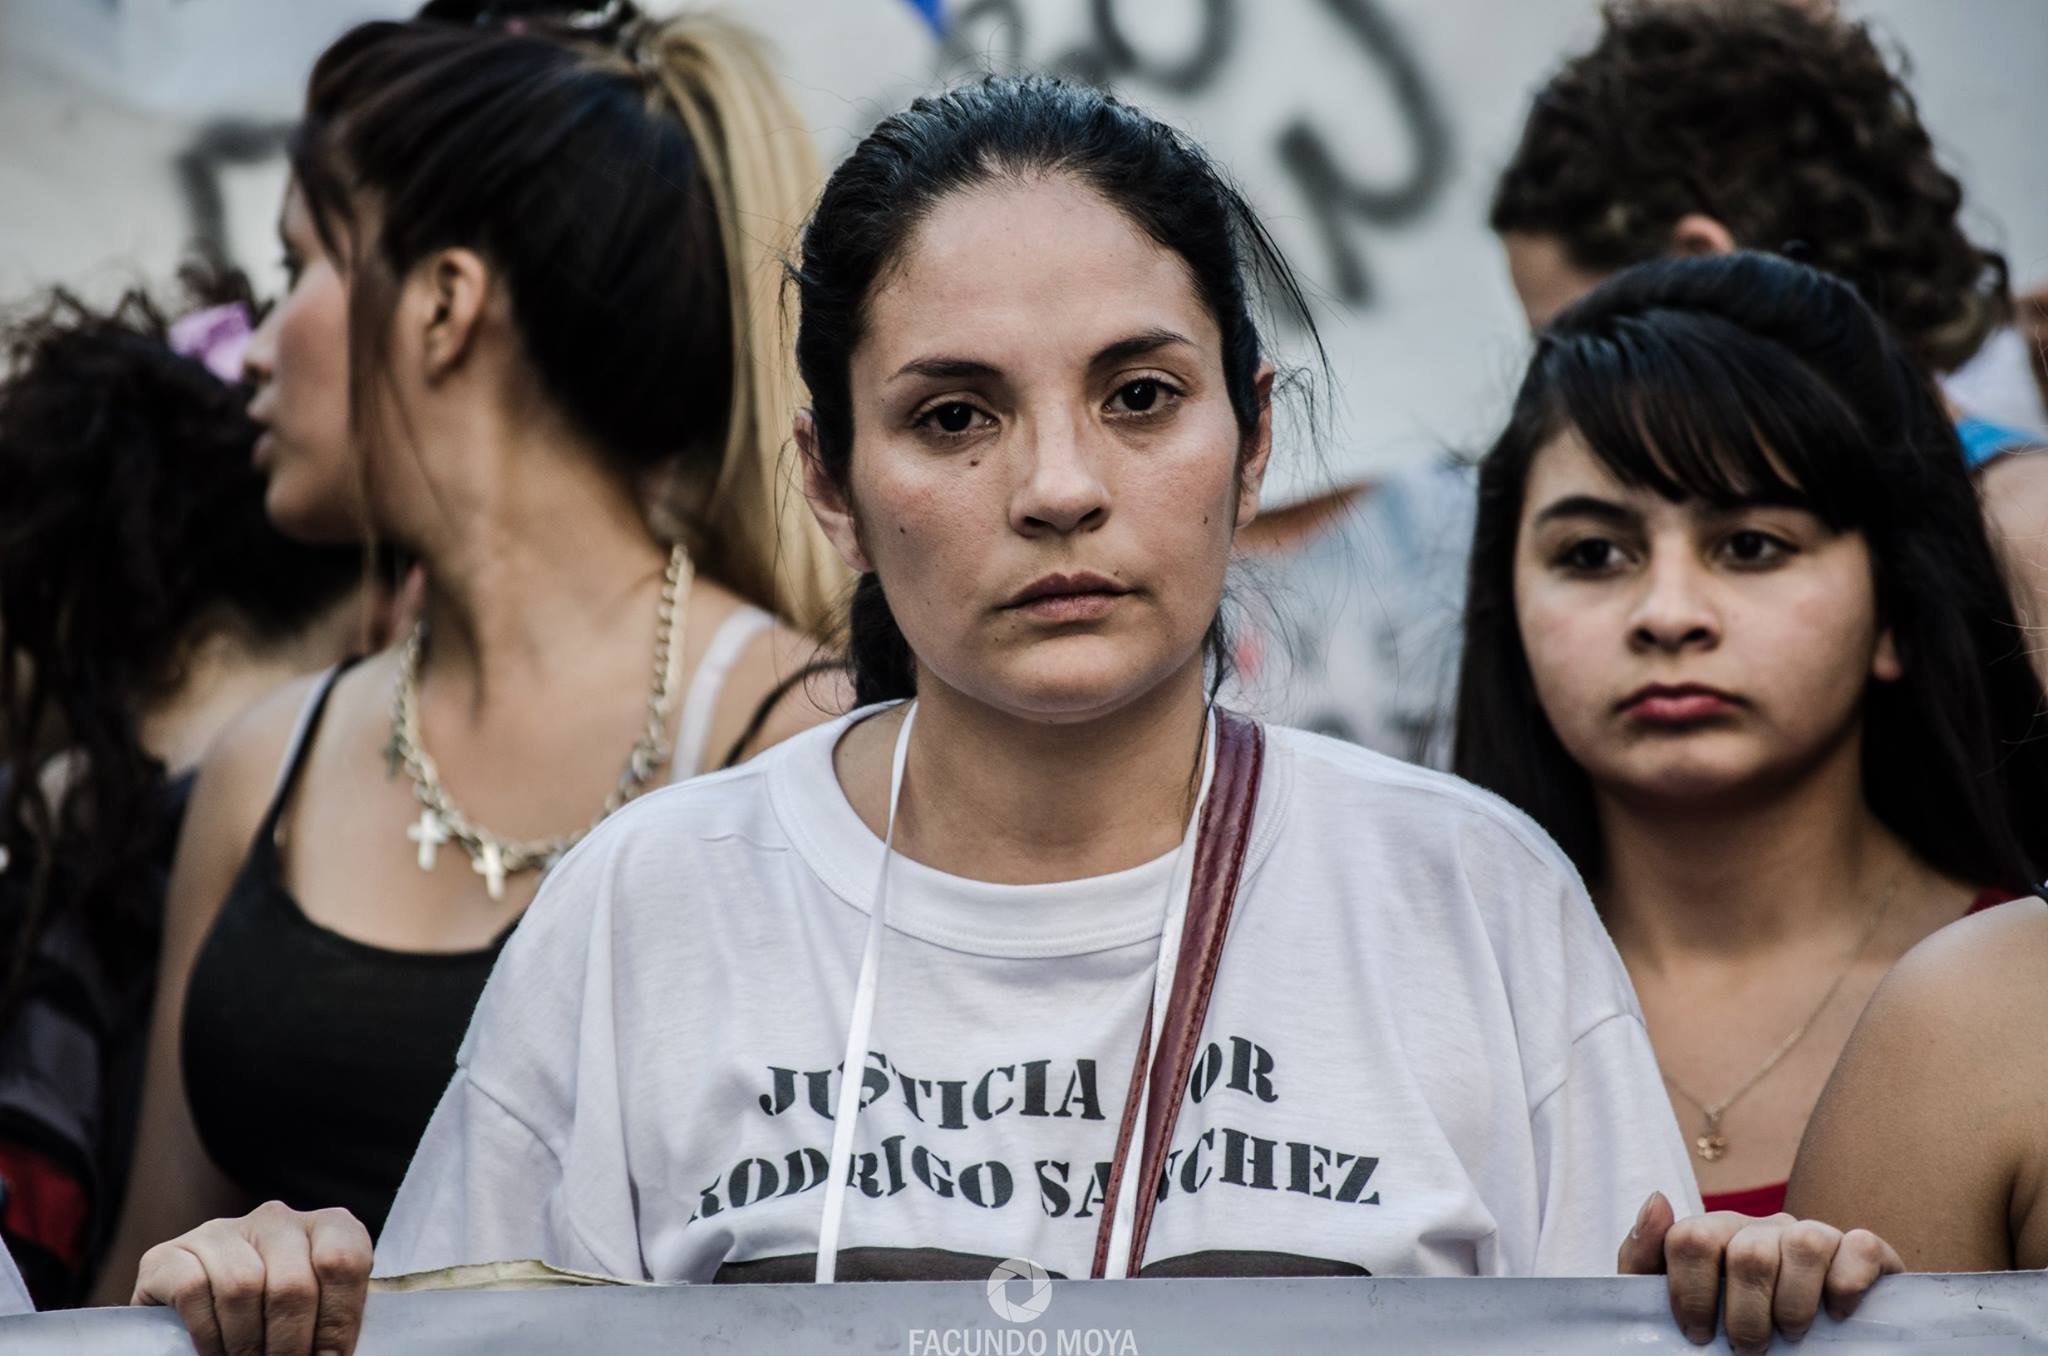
x=1070 y=607
x=1068 y=597
x=1678 y=705
x=260 y=455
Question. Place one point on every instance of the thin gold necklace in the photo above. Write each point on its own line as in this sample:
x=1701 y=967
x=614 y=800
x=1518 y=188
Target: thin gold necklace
x=494 y=857
x=1711 y=1144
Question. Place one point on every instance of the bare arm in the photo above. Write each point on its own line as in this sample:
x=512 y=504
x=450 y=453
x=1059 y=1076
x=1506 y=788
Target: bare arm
x=1934 y=1115
x=173 y=1184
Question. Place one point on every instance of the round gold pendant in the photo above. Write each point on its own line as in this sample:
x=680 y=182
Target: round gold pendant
x=1710 y=1147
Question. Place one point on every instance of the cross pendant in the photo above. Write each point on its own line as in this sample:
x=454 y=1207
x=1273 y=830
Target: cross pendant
x=429 y=833
x=490 y=864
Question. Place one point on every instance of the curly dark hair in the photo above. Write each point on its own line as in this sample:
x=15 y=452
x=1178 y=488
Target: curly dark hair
x=1783 y=124
x=132 y=522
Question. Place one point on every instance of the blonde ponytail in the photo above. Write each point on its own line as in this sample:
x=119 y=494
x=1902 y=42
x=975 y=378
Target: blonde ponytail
x=751 y=527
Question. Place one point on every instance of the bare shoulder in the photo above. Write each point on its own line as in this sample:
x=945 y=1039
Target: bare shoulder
x=2016 y=481
x=239 y=774
x=239 y=771
x=800 y=678
x=1985 y=974
x=784 y=681
x=1931 y=1131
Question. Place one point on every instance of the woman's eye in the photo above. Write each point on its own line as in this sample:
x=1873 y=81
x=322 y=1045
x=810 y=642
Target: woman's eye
x=1750 y=547
x=1142 y=396
x=952 y=417
x=1593 y=555
x=1139 y=395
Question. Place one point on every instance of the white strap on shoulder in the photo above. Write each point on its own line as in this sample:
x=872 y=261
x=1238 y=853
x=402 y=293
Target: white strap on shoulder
x=700 y=703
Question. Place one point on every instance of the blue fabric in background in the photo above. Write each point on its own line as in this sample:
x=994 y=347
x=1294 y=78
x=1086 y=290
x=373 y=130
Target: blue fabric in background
x=1984 y=442
x=933 y=12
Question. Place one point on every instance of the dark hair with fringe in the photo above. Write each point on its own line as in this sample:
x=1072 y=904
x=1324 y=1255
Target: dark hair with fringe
x=132 y=523
x=1785 y=125
x=1010 y=129
x=1748 y=379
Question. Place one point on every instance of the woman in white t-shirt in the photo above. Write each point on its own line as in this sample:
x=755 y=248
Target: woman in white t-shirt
x=1040 y=411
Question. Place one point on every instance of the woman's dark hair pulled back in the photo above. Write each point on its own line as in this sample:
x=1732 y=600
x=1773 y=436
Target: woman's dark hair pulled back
x=1746 y=379
x=1013 y=129
x=632 y=185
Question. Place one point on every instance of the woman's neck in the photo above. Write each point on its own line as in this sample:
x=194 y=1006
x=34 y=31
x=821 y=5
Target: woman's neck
x=1008 y=799
x=1729 y=882
x=529 y=566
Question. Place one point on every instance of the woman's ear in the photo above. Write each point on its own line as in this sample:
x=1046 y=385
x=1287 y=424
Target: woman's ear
x=1885 y=665
x=1251 y=475
x=1698 y=235
x=444 y=306
x=830 y=505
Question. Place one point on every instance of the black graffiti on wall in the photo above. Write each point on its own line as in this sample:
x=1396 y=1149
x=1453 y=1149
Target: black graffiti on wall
x=996 y=33
x=218 y=147
x=1342 y=207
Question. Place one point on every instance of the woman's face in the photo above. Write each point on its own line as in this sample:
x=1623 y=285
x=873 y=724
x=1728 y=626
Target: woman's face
x=1046 y=470
x=1686 y=655
x=1545 y=278
x=298 y=360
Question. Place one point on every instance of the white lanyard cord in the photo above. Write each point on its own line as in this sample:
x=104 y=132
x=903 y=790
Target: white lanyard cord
x=853 y=1072
x=861 y=1025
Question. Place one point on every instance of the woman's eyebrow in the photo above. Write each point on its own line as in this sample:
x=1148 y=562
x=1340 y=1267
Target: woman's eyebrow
x=1137 y=346
x=1588 y=506
x=973 y=369
x=947 y=369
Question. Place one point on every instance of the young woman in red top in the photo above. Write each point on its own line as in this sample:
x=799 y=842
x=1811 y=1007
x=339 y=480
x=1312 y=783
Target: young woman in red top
x=1737 y=639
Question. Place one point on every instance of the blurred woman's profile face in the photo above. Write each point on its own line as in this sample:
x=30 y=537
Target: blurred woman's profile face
x=1689 y=655
x=1545 y=279
x=298 y=360
x=1046 y=471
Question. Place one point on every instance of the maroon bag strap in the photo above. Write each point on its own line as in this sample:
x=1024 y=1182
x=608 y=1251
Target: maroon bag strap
x=1220 y=842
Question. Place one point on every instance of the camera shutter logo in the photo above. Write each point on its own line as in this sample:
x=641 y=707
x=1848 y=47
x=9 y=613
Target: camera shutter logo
x=1001 y=1293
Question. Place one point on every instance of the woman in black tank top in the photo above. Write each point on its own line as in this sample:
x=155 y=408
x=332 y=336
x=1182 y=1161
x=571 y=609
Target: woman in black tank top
x=339 y=1103
x=335 y=912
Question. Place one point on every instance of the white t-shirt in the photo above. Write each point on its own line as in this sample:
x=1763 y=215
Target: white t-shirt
x=1423 y=1056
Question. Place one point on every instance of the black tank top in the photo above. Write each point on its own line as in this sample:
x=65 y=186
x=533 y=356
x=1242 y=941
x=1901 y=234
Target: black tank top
x=312 y=1061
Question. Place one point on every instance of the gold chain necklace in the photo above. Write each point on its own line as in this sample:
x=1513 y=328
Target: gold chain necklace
x=1712 y=1145
x=491 y=856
